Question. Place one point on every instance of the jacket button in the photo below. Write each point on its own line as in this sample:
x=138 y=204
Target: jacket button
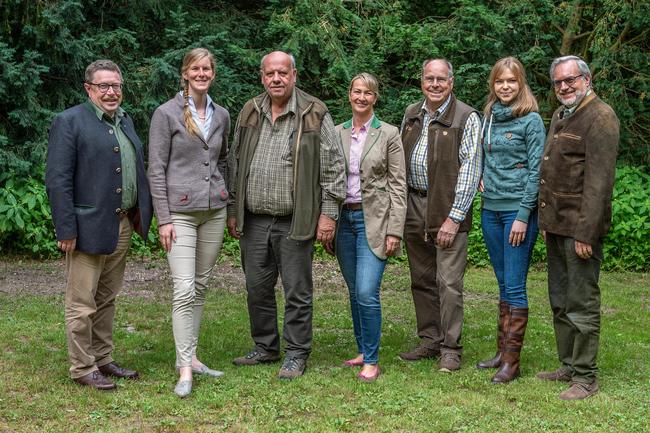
x=542 y=182
x=206 y=178
x=205 y=147
x=116 y=149
x=546 y=158
x=110 y=131
x=118 y=210
x=542 y=205
x=554 y=135
x=118 y=170
x=206 y=163
x=118 y=190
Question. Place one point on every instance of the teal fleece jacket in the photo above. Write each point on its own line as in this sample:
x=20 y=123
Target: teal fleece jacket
x=512 y=152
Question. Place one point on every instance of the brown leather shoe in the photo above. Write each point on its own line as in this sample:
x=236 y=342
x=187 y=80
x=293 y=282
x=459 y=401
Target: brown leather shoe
x=419 y=353
x=96 y=379
x=579 y=391
x=449 y=361
x=560 y=375
x=112 y=369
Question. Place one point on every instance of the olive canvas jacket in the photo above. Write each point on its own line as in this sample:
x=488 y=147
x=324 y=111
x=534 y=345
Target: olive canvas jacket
x=577 y=172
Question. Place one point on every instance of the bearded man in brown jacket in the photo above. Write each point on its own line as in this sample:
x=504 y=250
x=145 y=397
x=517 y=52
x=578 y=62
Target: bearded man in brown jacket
x=575 y=195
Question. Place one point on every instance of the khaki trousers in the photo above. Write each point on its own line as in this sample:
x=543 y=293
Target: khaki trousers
x=436 y=281
x=198 y=240
x=93 y=282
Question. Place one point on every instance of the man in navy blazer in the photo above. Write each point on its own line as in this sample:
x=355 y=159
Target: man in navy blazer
x=98 y=191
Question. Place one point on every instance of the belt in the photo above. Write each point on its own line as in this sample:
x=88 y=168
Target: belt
x=420 y=192
x=352 y=206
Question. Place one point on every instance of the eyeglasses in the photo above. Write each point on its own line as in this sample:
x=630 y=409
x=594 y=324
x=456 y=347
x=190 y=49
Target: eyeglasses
x=568 y=81
x=103 y=87
x=432 y=80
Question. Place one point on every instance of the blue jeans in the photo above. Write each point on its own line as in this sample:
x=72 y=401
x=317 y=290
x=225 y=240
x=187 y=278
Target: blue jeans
x=510 y=263
x=362 y=271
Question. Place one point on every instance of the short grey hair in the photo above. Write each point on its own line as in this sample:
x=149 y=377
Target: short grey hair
x=293 y=59
x=449 y=66
x=582 y=65
x=101 y=65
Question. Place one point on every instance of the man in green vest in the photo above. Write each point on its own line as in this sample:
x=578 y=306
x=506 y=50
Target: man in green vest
x=286 y=181
x=443 y=164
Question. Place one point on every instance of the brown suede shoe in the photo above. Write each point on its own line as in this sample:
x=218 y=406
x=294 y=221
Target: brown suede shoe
x=419 y=353
x=558 y=375
x=449 y=361
x=96 y=379
x=579 y=391
x=112 y=369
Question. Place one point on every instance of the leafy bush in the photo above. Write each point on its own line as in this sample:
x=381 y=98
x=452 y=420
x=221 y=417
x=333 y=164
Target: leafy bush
x=26 y=225
x=628 y=243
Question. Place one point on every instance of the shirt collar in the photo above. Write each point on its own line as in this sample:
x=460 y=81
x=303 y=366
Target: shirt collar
x=101 y=114
x=570 y=110
x=440 y=109
x=364 y=127
x=291 y=106
x=209 y=102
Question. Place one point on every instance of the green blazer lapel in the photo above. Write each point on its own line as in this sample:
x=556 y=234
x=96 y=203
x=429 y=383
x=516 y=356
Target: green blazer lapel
x=373 y=135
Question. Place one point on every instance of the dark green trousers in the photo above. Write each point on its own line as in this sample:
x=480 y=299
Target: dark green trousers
x=575 y=300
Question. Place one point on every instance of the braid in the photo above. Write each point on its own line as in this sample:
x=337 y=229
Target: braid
x=190 y=125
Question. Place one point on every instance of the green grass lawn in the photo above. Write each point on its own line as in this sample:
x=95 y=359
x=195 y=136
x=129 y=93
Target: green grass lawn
x=36 y=394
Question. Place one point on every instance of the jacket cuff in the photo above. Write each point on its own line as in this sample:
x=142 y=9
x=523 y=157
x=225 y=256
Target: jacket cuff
x=231 y=212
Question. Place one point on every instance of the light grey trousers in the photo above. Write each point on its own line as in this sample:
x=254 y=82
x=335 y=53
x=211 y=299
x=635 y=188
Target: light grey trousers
x=198 y=240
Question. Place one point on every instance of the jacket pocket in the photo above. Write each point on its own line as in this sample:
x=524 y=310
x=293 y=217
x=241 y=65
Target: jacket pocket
x=179 y=195
x=84 y=209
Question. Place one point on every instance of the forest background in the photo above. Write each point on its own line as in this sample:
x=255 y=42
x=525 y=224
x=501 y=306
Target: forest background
x=45 y=46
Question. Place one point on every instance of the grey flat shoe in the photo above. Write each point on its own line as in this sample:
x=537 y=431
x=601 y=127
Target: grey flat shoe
x=183 y=388
x=207 y=371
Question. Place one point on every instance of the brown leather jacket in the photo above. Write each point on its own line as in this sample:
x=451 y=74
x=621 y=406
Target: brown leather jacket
x=577 y=172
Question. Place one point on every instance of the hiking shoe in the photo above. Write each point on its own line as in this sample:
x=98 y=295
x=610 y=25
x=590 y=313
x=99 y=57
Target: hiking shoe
x=449 y=361
x=256 y=357
x=579 y=391
x=561 y=375
x=420 y=352
x=292 y=368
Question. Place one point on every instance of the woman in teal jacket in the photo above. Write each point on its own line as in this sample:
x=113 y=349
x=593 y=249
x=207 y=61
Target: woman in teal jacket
x=513 y=138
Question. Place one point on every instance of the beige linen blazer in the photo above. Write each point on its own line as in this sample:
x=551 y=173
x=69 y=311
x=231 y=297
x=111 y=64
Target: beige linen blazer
x=383 y=182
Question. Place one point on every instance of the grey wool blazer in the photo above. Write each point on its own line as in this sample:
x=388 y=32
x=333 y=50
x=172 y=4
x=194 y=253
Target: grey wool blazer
x=186 y=172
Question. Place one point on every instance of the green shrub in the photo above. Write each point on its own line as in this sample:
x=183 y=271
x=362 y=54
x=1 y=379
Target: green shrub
x=627 y=245
x=26 y=225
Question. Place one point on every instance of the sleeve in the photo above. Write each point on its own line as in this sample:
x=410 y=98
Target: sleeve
x=601 y=147
x=332 y=169
x=59 y=177
x=159 y=151
x=470 y=157
x=396 y=185
x=535 y=138
x=222 y=163
x=233 y=154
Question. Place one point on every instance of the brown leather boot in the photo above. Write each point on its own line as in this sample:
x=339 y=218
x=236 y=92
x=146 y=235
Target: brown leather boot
x=501 y=333
x=514 y=340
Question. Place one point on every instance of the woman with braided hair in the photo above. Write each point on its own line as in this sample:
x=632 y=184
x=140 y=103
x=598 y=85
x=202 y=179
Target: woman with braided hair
x=188 y=145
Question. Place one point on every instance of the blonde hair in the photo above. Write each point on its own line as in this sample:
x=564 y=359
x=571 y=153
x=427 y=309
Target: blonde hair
x=525 y=101
x=190 y=57
x=369 y=80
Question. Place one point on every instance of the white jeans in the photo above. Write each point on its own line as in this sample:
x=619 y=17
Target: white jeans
x=198 y=240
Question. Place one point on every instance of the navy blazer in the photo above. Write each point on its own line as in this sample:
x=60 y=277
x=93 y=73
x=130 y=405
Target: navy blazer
x=83 y=180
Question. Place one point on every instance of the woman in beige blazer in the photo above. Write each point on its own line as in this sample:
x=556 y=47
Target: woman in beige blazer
x=188 y=146
x=372 y=219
